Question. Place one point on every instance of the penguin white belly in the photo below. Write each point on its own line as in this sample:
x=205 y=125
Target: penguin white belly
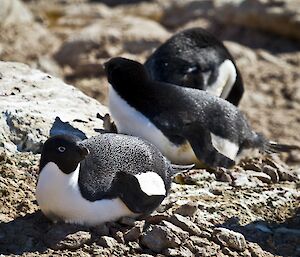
x=59 y=197
x=226 y=78
x=131 y=122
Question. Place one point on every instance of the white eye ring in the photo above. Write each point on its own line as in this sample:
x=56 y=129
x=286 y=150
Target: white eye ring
x=61 y=149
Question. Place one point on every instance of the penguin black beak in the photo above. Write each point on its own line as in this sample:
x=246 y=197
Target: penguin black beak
x=83 y=151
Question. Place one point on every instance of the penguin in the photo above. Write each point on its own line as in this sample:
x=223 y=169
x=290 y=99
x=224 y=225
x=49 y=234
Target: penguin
x=102 y=178
x=187 y=125
x=197 y=59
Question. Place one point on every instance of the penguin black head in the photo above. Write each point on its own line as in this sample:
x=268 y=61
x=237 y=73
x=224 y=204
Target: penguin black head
x=65 y=151
x=120 y=71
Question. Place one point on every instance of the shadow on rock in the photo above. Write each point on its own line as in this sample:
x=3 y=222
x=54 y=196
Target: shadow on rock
x=23 y=234
x=34 y=233
x=277 y=238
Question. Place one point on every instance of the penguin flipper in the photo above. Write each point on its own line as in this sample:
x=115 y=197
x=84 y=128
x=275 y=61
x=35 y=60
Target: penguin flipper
x=137 y=199
x=204 y=150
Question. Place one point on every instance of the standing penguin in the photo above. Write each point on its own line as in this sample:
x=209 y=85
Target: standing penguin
x=187 y=125
x=195 y=58
x=102 y=178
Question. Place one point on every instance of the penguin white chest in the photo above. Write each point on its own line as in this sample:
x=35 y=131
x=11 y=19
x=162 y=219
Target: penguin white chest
x=59 y=197
x=132 y=122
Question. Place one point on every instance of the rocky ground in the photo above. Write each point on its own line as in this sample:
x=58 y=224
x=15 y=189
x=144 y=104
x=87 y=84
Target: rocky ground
x=251 y=210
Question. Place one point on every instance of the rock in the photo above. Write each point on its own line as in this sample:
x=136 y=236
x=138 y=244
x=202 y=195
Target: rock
x=272 y=172
x=284 y=173
x=101 y=230
x=280 y=17
x=155 y=218
x=107 y=241
x=14 y=12
x=157 y=238
x=182 y=251
x=243 y=56
x=86 y=50
x=230 y=238
x=256 y=251
x=48 y=65
x=183 y=235
x=34 y=105
x=26 y=43
x=65 y=236
x=188 y=209
x=127 y=221
x=260 y=175
x=133 y=234
x=177 y=12
x=185 y=224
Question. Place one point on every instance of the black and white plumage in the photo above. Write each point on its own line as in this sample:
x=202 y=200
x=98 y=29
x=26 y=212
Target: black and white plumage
x=102 y=178
x=195 y=58
x=187 y=125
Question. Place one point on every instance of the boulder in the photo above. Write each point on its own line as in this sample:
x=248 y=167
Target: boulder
x=34 y=105
x=14 y=12
x=86 y=50
x=279 y=17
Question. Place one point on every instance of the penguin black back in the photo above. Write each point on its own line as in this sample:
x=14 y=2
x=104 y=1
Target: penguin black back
x=193 y=58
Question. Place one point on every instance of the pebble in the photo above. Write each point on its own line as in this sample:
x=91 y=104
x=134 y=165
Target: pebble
x=229 y=238
x=157 y=238
x=272 y=172
x=185 y=224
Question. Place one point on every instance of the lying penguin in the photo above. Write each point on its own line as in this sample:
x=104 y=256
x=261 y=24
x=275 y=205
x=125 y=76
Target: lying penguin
x=187 y=125
x=195 y=58
x=102 y=178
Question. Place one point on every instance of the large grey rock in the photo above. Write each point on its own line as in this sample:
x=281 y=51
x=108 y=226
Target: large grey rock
x=281 y=17
x=86 y=50
x=33 y=104
x=13 y=12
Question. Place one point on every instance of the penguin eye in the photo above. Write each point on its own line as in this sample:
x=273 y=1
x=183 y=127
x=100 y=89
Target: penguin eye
x=61 y=149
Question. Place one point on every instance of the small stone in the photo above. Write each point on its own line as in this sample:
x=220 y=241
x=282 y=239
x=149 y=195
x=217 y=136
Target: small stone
x=260 y=175
x=157 y=238
x=185 y=224
x=156 y=218
x=230 y=238
x=135 y=246
x=225 y=177
x=176 y=230
x=188 y=209
x=107 y=241
x=101 y=230
x=133 y=234
x=256 y=251
x=127 y=221
x=272 y=172
x=118 y=235
x=182 y=251
x=65 y=236
x=228 y=252
x=199 y=241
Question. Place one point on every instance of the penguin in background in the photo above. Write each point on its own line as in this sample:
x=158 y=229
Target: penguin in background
x=187 y=125
x=102 y=178
x=195 y=58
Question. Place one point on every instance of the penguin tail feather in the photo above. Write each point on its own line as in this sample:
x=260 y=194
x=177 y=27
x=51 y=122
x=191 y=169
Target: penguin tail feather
x=273 y=147
x=181 y=168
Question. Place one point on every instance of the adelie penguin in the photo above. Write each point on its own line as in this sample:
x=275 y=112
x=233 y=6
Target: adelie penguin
x=195 y=58
x=102 y=178
x=187 y=125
